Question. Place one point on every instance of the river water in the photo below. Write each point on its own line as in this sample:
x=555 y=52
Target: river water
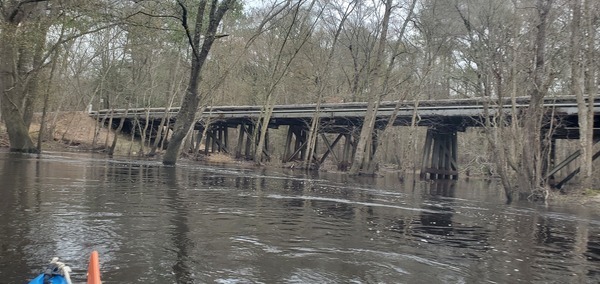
x=199 y=223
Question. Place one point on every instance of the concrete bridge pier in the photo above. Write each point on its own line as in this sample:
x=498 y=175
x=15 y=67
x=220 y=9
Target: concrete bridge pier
x=440 y=154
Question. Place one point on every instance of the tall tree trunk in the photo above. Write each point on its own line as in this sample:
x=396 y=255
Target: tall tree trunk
x=366 y=133
x=371 y=163
x=191 y=99
x=323 y=80
x=12 y=92
x=20 y=61
x=43 y=124
x=186 y=114
x=586 y=110
x=531 y=181
x=577 y=89
x=279 y=70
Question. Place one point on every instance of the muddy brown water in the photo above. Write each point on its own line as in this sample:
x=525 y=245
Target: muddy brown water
x=215 y=224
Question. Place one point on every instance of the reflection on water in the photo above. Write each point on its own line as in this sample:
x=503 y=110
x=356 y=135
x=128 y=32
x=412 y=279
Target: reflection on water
x=200 y=223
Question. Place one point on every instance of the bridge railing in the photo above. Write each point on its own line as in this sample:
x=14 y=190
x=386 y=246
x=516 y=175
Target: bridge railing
x=458 y=107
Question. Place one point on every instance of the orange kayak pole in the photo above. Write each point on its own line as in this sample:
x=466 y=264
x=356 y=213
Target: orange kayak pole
x=93 y=276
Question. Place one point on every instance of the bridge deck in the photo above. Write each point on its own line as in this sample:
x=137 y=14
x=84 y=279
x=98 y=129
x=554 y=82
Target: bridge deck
x=450 y=113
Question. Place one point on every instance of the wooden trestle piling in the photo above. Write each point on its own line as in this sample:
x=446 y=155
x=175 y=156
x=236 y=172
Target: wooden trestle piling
x=295 y=148
x=243 y=149
x=340 y=123
x=217 y=139
x=549 y=174
x=295 y=144
x=439 y=154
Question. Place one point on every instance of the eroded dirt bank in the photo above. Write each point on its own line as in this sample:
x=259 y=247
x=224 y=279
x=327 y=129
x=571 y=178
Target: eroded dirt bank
x=73 y=131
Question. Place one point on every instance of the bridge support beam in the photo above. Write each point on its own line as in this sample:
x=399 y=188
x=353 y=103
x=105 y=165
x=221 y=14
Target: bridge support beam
x=560 y=184
x=248 y=145
x=330 y=147
x=444 y=188
x=550 y=174
x=295 y=144
x=247 y=142
x=440 y=155
x=348 y=152
x=217 y=139
x=244 y=143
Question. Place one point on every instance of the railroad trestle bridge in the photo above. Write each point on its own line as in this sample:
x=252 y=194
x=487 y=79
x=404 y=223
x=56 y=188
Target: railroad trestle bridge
x=443 y=118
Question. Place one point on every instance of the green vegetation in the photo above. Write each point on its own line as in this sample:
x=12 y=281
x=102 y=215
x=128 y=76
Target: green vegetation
x=591 y=192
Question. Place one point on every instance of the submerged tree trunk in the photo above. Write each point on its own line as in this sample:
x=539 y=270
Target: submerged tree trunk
x=113 y=146
x=372 y=162
x=531 y=181
x=12 y=89
x=587 y=81
x=191 y=99
x=321 y=85
x=277 y=73
x=363 y=152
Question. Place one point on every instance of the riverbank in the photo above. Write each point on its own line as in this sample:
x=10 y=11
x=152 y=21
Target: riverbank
x=78 y=132
x=587 y=198
x=66 y=131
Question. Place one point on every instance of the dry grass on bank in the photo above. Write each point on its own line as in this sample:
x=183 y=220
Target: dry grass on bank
x=589 y=198
x=3 y=137
x=220 y=158
x=70 y=131
x=73 y=129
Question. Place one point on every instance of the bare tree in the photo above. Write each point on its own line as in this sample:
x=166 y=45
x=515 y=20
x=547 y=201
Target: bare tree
x=207 y=34
x=323 y=81
x=295 y=35
x=19 y=67
x=531 y=181
x=388 y=85
x=25 y=49
x=378 y=87
x=581 y=81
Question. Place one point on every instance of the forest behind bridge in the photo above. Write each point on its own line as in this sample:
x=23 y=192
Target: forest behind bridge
x=67 y=55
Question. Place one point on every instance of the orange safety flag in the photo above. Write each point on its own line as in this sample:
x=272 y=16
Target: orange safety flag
x=93 y=276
